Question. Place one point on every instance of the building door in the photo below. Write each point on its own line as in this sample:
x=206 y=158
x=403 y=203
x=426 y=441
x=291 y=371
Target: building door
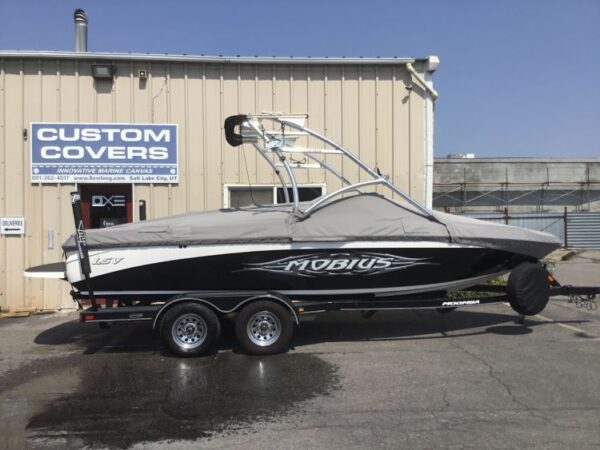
x=106 y=205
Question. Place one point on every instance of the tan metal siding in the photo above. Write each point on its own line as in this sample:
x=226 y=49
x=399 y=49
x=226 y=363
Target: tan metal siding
x=333 y=112
x=3 y=169
x=13 y=175
x=32 y=246
x=366 y=108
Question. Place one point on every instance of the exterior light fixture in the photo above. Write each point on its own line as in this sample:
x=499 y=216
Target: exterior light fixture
x=103 y=71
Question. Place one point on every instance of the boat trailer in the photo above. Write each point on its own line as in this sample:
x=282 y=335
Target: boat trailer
x=126 y=309
x=264 y=317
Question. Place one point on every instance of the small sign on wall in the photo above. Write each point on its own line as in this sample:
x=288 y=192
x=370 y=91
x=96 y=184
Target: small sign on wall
x=100 y=201
x=12 y=226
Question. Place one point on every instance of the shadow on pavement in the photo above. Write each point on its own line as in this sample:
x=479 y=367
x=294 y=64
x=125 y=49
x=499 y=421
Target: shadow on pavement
x=330 y=327
x=407 y=325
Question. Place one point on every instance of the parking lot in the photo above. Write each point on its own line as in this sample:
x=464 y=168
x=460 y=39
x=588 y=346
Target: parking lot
x=420 y=379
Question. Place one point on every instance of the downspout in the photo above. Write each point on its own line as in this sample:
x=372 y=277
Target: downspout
x=432 y=64
x=427 y=84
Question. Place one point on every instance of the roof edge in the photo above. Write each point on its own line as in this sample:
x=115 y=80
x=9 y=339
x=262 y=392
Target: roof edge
x=25 y=54
x=516 y=159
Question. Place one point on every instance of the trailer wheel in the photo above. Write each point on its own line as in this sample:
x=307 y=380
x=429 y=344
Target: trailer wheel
x=264 y=328
x=528 y=289
x=190 y=329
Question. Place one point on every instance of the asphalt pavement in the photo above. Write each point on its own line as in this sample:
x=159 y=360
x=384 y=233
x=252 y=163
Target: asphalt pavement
x=473 y=378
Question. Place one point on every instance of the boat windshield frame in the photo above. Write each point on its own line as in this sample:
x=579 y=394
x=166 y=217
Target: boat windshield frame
x=281 y=142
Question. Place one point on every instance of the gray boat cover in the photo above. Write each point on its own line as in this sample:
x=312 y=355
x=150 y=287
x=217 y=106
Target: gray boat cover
x=362 y=217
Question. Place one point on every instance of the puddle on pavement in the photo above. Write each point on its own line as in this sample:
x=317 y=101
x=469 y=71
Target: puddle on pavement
x=109 y=400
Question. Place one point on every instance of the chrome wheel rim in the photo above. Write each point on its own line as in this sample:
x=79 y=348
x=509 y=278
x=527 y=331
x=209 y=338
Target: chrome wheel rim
x=189 y=331
x=264 y=328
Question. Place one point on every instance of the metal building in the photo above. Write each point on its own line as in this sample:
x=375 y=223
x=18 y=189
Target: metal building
x=521 y=185
x=557 y=195
x=381 y=108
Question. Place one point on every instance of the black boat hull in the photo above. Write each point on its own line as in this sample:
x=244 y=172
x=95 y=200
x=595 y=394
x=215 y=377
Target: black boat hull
x=302 y=273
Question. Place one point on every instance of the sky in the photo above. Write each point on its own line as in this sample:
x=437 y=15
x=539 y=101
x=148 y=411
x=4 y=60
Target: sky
x=517 y=77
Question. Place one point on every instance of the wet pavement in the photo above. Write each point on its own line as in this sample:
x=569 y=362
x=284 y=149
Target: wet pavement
x=120 y=388
x=119 y=404
x=471 y=378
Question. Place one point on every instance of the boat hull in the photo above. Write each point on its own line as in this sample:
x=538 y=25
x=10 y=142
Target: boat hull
x=296 y=271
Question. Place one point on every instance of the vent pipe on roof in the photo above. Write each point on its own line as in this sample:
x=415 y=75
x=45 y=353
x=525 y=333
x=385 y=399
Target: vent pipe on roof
x=81 y=30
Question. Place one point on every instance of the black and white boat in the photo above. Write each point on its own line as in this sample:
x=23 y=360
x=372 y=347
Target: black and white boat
x=362 y=244
x=355 y=247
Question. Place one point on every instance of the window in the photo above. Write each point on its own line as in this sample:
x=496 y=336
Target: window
x=246 y=196
x=236 y=196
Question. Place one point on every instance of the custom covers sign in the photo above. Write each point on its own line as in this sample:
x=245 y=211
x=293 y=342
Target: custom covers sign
x=104 y=153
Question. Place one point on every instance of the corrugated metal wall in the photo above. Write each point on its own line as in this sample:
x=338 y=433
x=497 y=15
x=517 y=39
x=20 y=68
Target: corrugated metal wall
x=366 y=108
x=584 y=230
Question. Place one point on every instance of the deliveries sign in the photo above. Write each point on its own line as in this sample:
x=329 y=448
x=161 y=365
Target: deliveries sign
x=103 y=152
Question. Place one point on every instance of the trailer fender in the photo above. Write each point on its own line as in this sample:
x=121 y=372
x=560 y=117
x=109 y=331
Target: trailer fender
x=211 y=304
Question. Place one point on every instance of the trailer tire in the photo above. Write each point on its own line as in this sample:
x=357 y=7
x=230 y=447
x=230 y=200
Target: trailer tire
x=528 y=289
x=190 y=329
x=264 y=328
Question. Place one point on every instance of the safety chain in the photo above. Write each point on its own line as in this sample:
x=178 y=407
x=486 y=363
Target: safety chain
x=584 y=301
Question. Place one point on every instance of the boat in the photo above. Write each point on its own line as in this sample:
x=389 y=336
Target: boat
x=366 y=241
x=361 y=244
x=346 y=243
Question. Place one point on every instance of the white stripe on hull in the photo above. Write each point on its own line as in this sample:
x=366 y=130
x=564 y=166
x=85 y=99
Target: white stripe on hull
x=107 y=261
